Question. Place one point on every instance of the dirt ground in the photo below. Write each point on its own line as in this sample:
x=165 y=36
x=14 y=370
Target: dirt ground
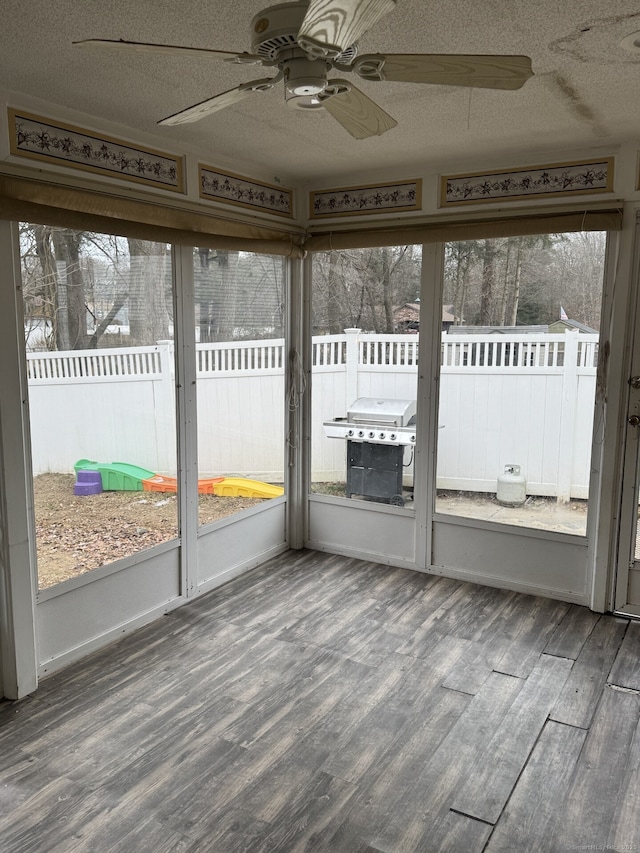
x=541 y=513
x=77 y=534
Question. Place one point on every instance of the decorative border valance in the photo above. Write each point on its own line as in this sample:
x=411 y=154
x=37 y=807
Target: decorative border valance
x=378 y=198
x=133 y=212
x=56 y=142
x=555 y=179
x=244 y=192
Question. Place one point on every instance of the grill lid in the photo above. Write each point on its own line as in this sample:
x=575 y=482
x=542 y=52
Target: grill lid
x=373 y=410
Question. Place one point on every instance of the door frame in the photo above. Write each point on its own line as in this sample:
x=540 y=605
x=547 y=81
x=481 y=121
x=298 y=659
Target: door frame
x=629 y=436
x=586 y=561
x=18 y=632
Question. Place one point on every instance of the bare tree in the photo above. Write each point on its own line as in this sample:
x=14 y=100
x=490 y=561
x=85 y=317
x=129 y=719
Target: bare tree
x=334 y=313
x=580 y=263
x=148 y=310
x=78 y=284
x=72 y=325
x=364 y=287
x=490 y=252
x=460 y=258
x=55 y=292
x=40 y=288
x=525 y=279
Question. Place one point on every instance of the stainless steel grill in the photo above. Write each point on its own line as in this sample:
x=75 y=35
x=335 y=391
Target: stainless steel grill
x=376 y=471
x=372 y=419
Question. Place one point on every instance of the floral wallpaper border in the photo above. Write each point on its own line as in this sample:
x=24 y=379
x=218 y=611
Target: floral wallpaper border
x=556 y=179
x=380 y=198
x=244 y=192
x=56 y=142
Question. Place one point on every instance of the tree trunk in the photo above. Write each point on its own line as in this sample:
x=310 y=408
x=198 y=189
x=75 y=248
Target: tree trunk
x=516 y=284
x=148 y=315
x=387 y=298
x=466 y=266
x=104 y=324
x=47 y=290
x=457 y=285
x=228 y=319
x=71 y=288
x=505 y=287
x=333 y=303
x=373 y=306
x=488 y=280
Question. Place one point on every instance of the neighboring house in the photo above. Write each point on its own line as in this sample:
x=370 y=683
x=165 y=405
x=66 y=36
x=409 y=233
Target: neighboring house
x=499 y=330
x=407 y=318
x=555 y=328
x=565 y=325
x=237 y=299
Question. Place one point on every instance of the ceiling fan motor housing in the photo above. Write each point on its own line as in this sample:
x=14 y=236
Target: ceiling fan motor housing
x=274 y=37
x=276 y=28
x=304 y=77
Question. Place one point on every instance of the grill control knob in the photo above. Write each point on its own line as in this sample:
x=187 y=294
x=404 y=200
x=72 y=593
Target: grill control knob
x=413 y=438
x=360 y=434
x=350 y=432
x=372 y=434
x=392 y=436
x=382 y=436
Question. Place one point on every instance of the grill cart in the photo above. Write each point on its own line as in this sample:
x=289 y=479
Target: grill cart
x=377 y=432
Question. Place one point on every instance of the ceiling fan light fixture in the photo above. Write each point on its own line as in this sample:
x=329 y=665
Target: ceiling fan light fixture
x=306 y=86
x=302 y=102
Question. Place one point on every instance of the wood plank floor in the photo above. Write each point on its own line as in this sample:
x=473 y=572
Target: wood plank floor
x=327 y=704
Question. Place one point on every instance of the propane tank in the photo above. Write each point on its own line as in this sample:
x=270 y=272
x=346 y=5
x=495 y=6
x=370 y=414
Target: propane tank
x=512 y=487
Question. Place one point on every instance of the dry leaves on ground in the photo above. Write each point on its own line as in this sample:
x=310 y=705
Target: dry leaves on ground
x=77 y=534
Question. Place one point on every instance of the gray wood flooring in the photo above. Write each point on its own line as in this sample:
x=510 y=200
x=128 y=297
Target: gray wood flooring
x=326 y=704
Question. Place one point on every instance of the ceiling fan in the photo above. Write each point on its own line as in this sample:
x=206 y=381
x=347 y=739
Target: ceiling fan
x=306 y=41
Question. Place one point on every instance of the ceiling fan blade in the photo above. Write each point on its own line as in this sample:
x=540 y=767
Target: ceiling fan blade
x=330 y=26
x=176 y=50
x=205 y=108
x=355 y=111
x=221 y=101
x=485 y=72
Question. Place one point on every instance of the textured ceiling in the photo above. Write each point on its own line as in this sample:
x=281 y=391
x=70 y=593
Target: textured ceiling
x=585 y=92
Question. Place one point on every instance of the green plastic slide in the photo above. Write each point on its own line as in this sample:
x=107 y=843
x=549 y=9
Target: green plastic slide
x=117 y=476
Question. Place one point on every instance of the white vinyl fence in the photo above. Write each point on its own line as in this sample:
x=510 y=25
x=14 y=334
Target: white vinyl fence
x=526 y=401
x=517 y=399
